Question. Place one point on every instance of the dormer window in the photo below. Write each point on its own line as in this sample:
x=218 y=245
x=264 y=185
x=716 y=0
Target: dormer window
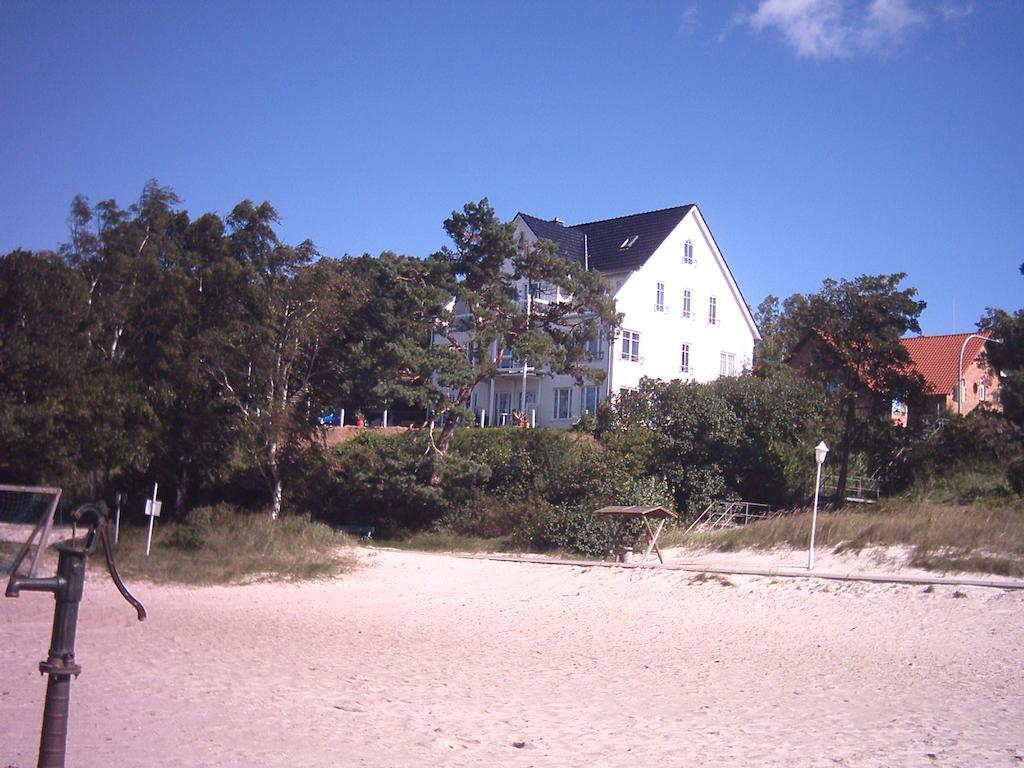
x=688 y=252
x=628 y=242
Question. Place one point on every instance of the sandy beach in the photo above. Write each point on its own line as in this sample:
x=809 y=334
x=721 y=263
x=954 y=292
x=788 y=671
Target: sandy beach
x=424 y=660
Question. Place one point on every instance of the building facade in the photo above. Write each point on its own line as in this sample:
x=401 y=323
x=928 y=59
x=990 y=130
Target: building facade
x=684 y=316
x=938 y=358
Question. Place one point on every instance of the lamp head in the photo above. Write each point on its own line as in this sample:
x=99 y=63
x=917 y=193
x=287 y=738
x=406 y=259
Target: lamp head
x=820 y=452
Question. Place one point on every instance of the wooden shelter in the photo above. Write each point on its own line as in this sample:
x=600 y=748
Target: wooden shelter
x=612 y=514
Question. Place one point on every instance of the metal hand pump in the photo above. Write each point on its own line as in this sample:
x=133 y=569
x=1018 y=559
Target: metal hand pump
x=67 y=586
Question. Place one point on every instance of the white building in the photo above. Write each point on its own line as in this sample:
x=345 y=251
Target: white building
x=683 y=314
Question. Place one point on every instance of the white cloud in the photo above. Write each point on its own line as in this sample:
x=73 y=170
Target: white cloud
x=813 y=27
x=888 y=21
x=688 y=20
x=829 y=29
x=953 y=11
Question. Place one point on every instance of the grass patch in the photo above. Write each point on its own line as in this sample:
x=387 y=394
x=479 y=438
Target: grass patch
x=982 y=538
x=968 y=563
x=223 y=546
x=444 y=541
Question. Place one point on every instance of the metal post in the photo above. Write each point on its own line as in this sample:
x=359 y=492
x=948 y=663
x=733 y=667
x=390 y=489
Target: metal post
x=149 y=535
x=960 y=382
x=67 y=586
x=60 y=662
x=341 y=418
x=117 y=514
x=529 y=303
x=814 y=521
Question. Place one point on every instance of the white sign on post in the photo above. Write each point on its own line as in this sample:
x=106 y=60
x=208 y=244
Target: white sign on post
x=153 y=512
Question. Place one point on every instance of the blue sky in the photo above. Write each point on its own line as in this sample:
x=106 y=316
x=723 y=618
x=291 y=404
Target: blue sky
x=819 y=137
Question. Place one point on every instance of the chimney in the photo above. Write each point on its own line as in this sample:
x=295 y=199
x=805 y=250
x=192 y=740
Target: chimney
x=557 y=221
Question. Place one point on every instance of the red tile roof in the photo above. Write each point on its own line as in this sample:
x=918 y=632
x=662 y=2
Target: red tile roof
x=936 y=358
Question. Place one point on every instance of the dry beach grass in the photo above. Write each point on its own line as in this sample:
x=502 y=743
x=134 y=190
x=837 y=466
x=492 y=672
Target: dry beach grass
x=419 y=659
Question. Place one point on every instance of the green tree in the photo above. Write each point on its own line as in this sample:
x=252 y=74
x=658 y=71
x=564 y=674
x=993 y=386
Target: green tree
x=1007 y=358
x=280 y=311
x=781 y=415
x=855 y=327
x=123 y=255
x=385 y=355
x=196 y=422
x=682 y=431
x=484 y=269
x=770 y=352
x=44 y=367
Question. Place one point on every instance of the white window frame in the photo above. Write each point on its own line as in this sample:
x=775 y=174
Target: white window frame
x=562 y=410
x=688 y=252
x=590 y=392
x=595 y=350
x=687 y=310
x=630 y=346
x=727 y=364
x=712 y=310
x=684 y=359
x=659 y=297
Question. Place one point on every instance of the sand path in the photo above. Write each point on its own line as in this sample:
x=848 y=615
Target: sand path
x=424 y=660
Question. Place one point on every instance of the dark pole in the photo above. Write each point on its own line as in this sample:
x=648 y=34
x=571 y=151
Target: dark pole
x=60 y=663
x=67 y=586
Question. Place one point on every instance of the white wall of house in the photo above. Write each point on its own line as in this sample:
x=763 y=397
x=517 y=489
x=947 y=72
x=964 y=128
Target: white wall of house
x=663 y=331
x=724 y=345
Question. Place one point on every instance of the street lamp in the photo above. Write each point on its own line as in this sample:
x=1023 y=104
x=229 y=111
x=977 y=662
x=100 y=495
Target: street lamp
x=820 y=452
x=960 y=371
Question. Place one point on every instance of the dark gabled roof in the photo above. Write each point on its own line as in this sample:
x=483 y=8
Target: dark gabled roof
x=605 y=238
x=600 y=242
x=568 y=240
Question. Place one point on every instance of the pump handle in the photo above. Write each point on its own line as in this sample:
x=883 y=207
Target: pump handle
x=93 y=516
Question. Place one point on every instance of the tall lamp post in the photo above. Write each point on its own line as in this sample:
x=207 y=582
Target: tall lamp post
x=960 y=371
x=820 y=452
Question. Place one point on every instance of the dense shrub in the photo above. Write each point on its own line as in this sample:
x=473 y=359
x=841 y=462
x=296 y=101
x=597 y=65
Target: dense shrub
x=387 y=481
x=534 y=488
x=570 y=529
x=1015 y=475
x=743 y=437
x=984 y=434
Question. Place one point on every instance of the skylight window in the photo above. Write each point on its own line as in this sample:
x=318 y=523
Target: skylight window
x=628 y=242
